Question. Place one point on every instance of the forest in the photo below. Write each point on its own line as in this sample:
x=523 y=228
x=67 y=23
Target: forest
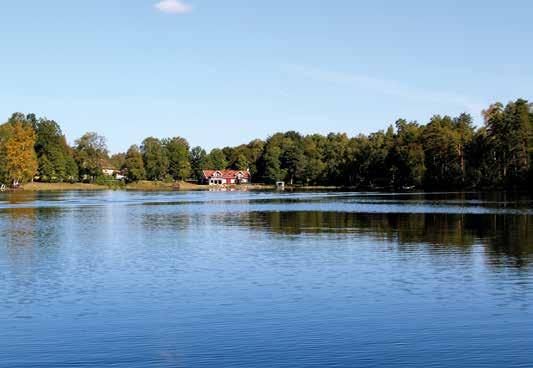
x=445 y=153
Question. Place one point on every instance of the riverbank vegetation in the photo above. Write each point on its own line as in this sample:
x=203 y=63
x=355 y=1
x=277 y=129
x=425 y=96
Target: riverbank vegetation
x=446 y=152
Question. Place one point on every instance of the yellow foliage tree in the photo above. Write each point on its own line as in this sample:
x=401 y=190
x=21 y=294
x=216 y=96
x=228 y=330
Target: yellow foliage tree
x=20 y=160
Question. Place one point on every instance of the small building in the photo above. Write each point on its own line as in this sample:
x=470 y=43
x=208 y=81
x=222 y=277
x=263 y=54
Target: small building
x=108 y=171
x=116 y=174
x=120 y=175
x=224 y=177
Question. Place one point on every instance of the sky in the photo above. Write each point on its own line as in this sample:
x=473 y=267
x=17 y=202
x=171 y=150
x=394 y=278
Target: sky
x=223 y=72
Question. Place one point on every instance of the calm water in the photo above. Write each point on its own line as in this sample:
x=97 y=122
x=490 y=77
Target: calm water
x=118 y=279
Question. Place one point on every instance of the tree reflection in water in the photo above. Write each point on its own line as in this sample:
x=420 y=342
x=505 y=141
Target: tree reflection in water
x=510 y=236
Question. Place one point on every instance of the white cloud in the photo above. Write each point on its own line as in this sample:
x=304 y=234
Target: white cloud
x=389 y=87
x=173 y=7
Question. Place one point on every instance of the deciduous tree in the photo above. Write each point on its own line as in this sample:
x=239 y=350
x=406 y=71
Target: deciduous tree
x=155 y=159
x=177 y=151
x=19 y=160
x=134 y=165
x=91 y=155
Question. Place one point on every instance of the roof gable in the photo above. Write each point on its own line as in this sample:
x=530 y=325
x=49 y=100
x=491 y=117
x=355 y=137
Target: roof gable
x=226 y=174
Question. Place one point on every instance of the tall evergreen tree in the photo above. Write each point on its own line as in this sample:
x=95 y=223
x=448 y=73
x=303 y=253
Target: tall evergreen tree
x=406 y=158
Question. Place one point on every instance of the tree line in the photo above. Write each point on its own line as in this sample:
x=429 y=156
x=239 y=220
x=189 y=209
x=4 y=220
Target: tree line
x=447 y=152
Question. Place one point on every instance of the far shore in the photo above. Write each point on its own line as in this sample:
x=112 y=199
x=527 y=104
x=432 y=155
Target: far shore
x=139 y=186
x=38 y=187
x=160 y=186
x=182 y=185
x=157 y=186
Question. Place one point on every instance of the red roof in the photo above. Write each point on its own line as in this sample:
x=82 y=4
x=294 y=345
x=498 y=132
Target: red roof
x=226 y=174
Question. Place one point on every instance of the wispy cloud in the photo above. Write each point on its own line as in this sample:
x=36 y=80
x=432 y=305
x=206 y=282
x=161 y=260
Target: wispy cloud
x=173 y=7
x=388 y=87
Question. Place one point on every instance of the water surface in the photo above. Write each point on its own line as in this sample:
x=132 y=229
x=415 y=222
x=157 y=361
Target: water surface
x=245 y=279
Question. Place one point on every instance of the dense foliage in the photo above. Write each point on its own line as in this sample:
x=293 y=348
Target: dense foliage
x=447 y=152
x=18 y=161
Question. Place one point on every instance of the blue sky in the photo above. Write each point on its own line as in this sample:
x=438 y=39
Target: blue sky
x=222 y=72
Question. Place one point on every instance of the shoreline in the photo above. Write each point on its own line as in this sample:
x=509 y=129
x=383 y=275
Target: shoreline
x=139 y=186
x=157 y=186
x=43 y=187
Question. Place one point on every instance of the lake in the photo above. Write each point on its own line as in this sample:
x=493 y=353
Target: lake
x=265 y=279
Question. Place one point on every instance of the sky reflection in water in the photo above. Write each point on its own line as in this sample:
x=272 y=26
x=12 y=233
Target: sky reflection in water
x=204 y=279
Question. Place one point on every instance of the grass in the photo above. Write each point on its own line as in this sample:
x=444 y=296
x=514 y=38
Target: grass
x=140 y=186
x=36 y=187
x=159 y=185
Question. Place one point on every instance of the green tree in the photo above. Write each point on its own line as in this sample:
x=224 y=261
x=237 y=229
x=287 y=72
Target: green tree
x=46 y=169
x=230 y=154
x=91 y=156
x=155 y=159
x=337 y=159
x=177 y=150
x=237 y=157
x=28 y=120
x=508 y=142
x=134 y=165
x=292 y=157
x=198 y=159
x=51 y=143
x=376 y=173
x=241 y=162
x=271 y=160
x=446 y=152
x=254 y=150
x=216 y=160
x=314 y=165
x=444 y=140
x=518 y=119
x=118 y=160
x=71 y=169
x=406 y=157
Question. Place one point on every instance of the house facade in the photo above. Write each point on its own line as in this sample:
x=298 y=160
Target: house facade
x=117 y=174
x=224 y=177
x=108 y=171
